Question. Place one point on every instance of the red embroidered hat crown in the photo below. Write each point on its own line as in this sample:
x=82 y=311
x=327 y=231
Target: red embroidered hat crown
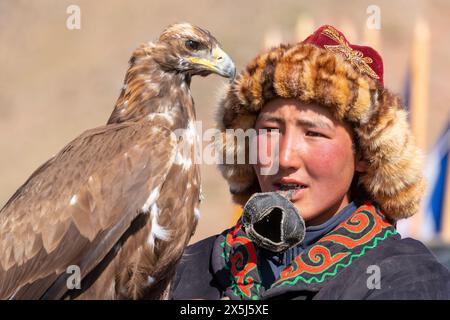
x=365 y=59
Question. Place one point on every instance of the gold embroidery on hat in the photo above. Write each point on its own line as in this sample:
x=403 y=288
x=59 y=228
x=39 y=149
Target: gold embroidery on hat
x=355 y=57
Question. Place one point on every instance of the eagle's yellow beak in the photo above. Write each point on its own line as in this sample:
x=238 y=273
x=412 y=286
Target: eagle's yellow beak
x=218 y=62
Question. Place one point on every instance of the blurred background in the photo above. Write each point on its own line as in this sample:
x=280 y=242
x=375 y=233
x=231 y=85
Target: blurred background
x=56 y=82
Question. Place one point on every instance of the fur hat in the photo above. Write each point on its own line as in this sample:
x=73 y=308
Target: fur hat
x=347 y=79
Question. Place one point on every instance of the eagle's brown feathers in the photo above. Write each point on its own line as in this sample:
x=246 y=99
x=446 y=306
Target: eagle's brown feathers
x=120 y=202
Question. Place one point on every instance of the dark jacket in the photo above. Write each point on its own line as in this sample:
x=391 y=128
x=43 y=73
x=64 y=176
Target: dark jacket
x=362 y=258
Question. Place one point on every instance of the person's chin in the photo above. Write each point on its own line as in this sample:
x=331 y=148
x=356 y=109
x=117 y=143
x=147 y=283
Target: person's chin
x=306 y=211
x=302 y=210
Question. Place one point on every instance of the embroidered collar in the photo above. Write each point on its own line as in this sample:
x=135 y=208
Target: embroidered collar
x=235 y=257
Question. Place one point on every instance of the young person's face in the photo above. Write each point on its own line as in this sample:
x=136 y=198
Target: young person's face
x=315 y=154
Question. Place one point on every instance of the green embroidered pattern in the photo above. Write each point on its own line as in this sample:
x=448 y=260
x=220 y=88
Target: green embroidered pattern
x=339 y=265
x=363 y=231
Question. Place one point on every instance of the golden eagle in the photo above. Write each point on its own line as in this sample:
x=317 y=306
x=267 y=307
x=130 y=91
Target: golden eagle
x=116 y=206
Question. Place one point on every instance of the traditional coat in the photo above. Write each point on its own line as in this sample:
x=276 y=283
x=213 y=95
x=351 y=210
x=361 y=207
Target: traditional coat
x=362 y=258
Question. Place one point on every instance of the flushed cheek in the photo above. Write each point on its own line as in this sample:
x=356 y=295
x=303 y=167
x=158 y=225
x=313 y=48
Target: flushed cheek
x=266 y=166
x=329 y=161
x=267 y=147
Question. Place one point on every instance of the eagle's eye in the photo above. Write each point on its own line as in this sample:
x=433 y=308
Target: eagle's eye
x=192 y=45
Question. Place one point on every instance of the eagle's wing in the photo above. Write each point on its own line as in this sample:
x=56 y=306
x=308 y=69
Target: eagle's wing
x=76 y=206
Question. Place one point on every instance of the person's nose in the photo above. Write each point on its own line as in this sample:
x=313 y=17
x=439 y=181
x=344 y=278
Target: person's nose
x=290 y=151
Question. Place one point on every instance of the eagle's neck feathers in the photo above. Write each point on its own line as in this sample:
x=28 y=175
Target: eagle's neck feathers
x=150 y=89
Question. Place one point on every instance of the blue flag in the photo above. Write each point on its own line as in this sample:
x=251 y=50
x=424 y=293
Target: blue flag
x=436 y=172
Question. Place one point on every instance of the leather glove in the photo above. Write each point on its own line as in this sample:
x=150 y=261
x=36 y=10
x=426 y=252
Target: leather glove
x=273 y=222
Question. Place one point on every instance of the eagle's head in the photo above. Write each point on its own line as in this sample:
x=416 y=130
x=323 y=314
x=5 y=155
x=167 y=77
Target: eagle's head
x=192 y=50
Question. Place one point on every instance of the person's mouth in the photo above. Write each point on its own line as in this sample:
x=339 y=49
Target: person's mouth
x=291 y=188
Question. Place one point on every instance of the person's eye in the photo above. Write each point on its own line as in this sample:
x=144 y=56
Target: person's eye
x=270 y=129
x=310 y=133
x=266 y=126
